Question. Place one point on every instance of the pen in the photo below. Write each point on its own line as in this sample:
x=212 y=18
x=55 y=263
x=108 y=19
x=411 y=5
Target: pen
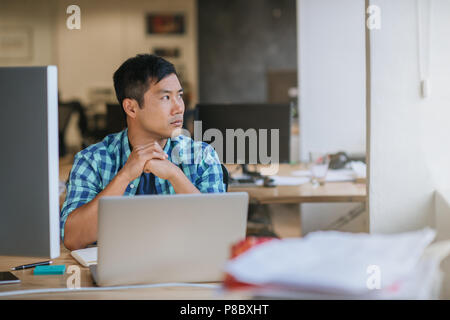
x=31 y=265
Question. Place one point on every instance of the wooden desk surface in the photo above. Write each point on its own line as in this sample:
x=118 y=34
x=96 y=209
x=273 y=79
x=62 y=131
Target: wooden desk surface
x=31 y=282
x=305 y=193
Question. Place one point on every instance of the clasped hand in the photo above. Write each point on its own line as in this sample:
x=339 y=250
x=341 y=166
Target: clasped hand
x=149 y=158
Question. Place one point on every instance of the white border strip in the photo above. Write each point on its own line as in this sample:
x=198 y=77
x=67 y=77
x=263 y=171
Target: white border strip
x=53 y=159
x=159 y=285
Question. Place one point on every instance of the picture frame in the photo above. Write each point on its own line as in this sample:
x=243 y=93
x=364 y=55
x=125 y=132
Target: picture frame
x=166 y=52
x=165 y=23
x=16 y=43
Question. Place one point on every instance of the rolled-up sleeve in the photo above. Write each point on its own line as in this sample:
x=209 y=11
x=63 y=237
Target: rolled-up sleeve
x=82 y=187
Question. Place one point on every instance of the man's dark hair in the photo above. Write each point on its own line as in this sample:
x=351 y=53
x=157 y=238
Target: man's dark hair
x=134 y=76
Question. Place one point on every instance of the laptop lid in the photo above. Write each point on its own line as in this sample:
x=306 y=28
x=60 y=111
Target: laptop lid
x=168 y=238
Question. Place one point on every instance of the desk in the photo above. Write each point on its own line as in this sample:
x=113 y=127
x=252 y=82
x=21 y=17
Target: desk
x=290 y=225
x=305 y=193
x=29 y=282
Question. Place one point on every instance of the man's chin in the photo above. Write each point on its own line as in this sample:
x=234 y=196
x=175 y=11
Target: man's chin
x=177 y=131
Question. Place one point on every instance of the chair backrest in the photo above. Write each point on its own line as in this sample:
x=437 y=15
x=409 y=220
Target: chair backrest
x=115 y=120
x=226 y=176
x=64 y=113
x=65 y=110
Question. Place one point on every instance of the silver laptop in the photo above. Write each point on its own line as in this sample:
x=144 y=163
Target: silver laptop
x=167 y=238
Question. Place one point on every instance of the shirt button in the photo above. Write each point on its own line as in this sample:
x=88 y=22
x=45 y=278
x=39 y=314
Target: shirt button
x=131 y=186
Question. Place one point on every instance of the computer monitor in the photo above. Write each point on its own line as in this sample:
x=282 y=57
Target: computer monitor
x=260 y=124
x=29 y=165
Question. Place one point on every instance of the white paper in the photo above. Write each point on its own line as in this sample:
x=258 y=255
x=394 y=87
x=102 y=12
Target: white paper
x=359 y=168
x=301 y=173
x=332 y=261
x=340 y=175
x=289 y=181
x=85 y=257
x=333 y=175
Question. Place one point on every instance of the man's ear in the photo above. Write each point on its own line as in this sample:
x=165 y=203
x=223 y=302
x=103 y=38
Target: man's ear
x=130 y=106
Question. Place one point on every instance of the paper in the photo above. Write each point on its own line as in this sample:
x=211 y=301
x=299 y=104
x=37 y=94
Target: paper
x=333 y=175
x=332 y=261
x=85 y=257
x=359 y=168
x=301 y=173
x=277 y=180
x=289 y=181
x=340 y=175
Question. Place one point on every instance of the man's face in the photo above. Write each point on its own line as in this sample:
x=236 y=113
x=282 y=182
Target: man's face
x=163 y=108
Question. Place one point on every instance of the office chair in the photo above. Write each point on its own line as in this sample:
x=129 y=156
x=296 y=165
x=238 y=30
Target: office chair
x=65 y=112
x=226 y=176
x=115 y=120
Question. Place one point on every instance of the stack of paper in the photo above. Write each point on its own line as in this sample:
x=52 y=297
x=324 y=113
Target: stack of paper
x=353 y=170
x=331 y=264
x=359 y=168
x=289 y=181
x=85 y=257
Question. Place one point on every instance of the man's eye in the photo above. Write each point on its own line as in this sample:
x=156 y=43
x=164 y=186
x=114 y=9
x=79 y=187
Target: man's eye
x=166 y=98
x=180 y=95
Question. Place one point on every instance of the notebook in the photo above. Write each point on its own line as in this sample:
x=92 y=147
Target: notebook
x=85 y=257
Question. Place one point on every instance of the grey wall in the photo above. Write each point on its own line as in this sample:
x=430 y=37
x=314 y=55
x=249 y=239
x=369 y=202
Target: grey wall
x=239 y=41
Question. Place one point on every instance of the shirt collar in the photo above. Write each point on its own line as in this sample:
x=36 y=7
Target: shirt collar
x=125 y=147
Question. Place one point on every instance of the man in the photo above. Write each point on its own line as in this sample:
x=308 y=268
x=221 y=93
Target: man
x=146 y=158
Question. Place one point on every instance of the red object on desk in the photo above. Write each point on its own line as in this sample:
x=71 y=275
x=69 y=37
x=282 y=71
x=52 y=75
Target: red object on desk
x=239 y=248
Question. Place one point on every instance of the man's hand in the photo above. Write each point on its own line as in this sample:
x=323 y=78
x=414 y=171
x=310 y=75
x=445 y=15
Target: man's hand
x=138 y=158
x=163 y=169
x=166 y=170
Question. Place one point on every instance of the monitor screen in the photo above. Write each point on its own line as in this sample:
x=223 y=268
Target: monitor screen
x=29 y=167
x=246 y=133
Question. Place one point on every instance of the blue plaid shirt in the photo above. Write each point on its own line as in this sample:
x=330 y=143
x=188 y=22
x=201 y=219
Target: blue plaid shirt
x=95 y=167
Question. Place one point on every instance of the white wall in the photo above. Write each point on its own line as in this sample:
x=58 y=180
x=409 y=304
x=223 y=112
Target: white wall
x=331 y=76
x=112 y=31
x=331 y=49
x=409 y=153
x=39 y=17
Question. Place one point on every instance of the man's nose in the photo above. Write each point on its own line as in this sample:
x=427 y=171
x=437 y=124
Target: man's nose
x=178 y=106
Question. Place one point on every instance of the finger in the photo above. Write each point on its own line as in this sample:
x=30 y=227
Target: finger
x=157 y=147
x=148 y=154
x=158 y=155
x=148 y=167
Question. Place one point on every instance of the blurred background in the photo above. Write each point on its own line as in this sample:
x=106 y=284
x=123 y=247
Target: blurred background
x=225 y=51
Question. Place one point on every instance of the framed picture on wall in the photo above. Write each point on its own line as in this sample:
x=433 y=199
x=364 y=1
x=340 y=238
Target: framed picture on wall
x=167 y=52
x=16 y=43
x=165 y=24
